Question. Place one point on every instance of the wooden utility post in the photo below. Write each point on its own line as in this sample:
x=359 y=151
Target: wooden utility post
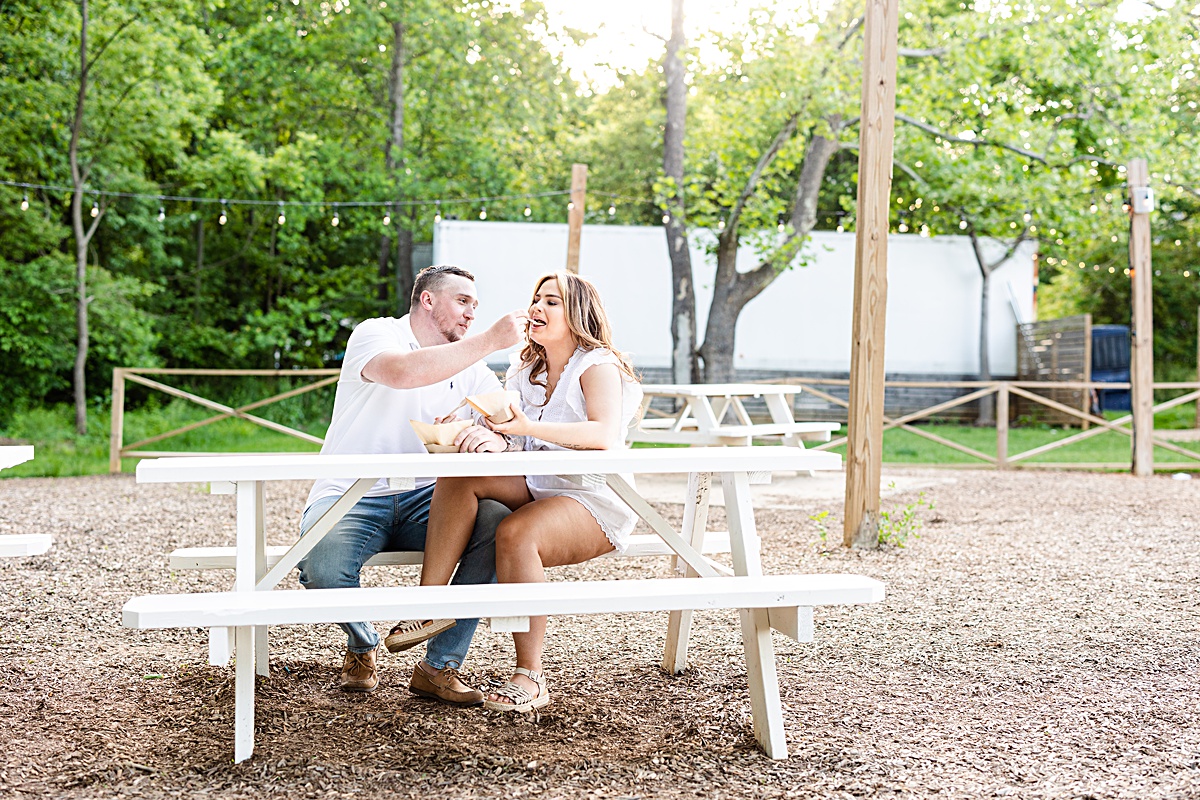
x=575 y=215
x=864 y=440
x=1141 y=203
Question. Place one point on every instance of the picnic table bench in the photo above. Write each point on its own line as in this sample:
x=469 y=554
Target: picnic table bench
x=779 y=602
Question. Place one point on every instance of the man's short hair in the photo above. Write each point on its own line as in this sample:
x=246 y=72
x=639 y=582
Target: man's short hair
x=431 y=279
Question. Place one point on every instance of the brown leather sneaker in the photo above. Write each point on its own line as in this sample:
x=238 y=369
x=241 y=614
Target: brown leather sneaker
x=359 y=673
x=444 y=685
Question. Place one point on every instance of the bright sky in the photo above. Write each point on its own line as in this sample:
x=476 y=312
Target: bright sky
x=626 y=30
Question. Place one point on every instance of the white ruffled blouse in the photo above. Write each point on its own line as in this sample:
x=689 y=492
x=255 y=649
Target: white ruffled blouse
x=567 y=404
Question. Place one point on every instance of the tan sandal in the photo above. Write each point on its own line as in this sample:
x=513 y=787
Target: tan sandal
x=521 y=699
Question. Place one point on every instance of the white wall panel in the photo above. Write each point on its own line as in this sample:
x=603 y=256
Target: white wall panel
x=801 y=322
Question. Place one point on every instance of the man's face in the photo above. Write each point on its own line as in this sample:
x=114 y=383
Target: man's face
x=452 y=307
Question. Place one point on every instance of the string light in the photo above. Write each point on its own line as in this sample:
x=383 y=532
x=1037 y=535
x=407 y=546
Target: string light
x=666 y=219
x=780 y=227
x=221 y=220
x=483 y=213
x=437 y=213
x=962 y=225
x=612 y=210
x=387 y=219
x=95 y=209
x=571 y=206
x=335 y=221
x=281 y=218
x=162 y=213
x=721 y=224
x=25 y=203
x=528 y=212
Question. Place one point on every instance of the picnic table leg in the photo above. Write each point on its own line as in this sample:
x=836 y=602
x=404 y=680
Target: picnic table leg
x=243 y=704
x=250 y=555
x=695 y=525
x=761 y=676
x=262 y=659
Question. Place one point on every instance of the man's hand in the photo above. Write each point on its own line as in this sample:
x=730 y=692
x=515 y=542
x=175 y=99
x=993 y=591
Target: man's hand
x=507 y=331
x=477 y=439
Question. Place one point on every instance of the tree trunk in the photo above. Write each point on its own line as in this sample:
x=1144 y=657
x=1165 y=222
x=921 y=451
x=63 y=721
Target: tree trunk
x=987 y=404
x=393 y=161
x=684 y=366
x=82 y=237
x=732 y=290
x=404 y=270
x=199 y=282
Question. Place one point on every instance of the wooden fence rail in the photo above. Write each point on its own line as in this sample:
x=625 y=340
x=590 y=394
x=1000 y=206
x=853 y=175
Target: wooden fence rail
x=117 y=449
x=814 y=387
x=1004 y=390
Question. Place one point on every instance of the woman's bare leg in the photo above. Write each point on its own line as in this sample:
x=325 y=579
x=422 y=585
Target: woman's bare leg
x=452 y=519
x=545 y=533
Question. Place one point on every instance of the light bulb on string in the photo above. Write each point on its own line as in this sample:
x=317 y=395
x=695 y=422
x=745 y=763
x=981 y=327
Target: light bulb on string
x=612 y=210
x=221 y=220
x=721 y=224
x=387 y=218
x=95 y=209
x=335 y=221
x=162 y=213
x=281 y=218
x=571 y=206
x=780 y=227
x=25 y=203
x=437 y=212
x=528 y=212
x=666 y=219
x=483 y=212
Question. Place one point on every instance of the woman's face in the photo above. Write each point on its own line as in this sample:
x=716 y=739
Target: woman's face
x=547 y=317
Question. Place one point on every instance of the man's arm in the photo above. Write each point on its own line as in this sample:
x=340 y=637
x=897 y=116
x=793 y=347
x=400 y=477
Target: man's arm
x=429 y=365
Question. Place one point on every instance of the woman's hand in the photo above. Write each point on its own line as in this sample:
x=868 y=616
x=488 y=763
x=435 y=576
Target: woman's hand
x=519 y=425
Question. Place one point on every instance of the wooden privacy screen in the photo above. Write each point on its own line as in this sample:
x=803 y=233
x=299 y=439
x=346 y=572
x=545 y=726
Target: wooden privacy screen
x=1057 y=350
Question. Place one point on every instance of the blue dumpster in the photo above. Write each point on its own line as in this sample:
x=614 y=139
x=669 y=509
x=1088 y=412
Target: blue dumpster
x=1110 y=364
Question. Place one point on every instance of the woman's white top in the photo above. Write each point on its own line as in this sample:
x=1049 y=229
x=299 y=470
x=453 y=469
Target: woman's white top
x=567 y=404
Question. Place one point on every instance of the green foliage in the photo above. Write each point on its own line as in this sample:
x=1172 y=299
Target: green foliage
x=900 y=523
x=1020 y=117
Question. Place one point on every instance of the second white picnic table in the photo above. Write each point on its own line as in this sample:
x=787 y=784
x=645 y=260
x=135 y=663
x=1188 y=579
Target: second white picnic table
x=715 y=414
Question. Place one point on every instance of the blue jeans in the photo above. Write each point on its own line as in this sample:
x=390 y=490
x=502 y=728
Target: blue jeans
x=392 y=523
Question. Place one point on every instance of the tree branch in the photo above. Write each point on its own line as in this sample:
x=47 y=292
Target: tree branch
x=973 y=142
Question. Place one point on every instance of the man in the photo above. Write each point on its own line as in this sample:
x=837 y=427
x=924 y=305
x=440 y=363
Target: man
x=395 y=370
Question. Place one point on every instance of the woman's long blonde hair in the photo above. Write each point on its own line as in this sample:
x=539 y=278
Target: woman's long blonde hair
x=586 y=319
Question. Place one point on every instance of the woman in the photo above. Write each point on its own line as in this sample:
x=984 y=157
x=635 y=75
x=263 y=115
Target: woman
x=576 y=392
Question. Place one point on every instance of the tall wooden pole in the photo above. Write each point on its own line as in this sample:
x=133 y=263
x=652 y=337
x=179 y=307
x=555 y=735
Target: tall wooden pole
x=575 y=215
x=1142 y=362
x=864 y=444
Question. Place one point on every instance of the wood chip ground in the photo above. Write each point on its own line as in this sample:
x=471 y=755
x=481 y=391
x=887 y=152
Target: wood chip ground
x=1040 y=639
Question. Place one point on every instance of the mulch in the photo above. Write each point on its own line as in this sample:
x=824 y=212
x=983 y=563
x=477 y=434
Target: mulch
x=1040 y=639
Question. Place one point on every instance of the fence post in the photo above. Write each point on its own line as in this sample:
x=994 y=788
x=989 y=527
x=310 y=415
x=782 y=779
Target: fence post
x=1002 y=426
x=1141 y=202
x=116 y=439
x=864 y=425
x=575 y=215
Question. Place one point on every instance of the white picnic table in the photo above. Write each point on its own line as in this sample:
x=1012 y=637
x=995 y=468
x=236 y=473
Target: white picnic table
x=715 y=414
x=20 y=544
x=773 y=602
